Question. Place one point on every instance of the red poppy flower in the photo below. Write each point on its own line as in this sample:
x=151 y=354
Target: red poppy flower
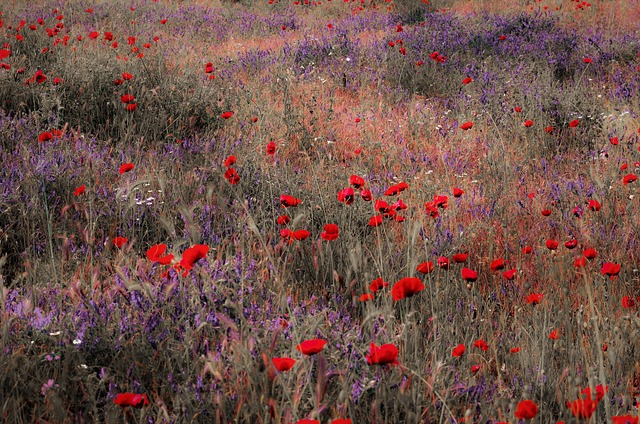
x=131 y=107
x=287 y=201
x=193 y=255
x=425 y=267
x=466 y=126
x=4 y=53
x=300 y=234
x=365 y=297
x=457 y=192
x=271 y=148
x=527 y=250
x=127 y=76
x=580 y=262
x=383 y=355
x=344 y=421
x=534 y=298
x=509 y=274
x=311 y=347
x=155 y=254
x=610 y=269
x=330 y=232
x=593 y=205
x=381 y=206
x=406 y=287
x=517 y=109
x=549 y=129
x=431 y=209
x=80 y=190
x=624 y=166
x=45 y=136
x=366 y=195
x=377 y=284
x=571 y=244
x=528 y=123
x=375 y=221
x=459 y=258
x=546 y=212
x=226 y=115
x=629 y=178
x=305 y=421
x=108 y=36
x=481 y=344
x=551 y=244
x=283 y=364
x=574 y=123
x=614 y=141
x=587 y=60
x=283 y=220
x=232 y=176
x=582 y=408
x=440 y=201
x=356 y=182
x=554 y=335
x=467 y=80
x=392 y=191
x=131 y=399
x=498 y=264
x=119 y=241
x=458 y=351
x=625 y=419
x=93 y=35
x=443 y=262
x=229 y=161
x=469 y=275
x=398 y=206
x=590 y=253
x=125 y=167
x=346 y=196
x=526 y=409
x=514 y=350
x=502 y=37
x=627 y=302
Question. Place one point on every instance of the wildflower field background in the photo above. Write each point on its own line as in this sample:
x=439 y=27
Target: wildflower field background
x=330 y=211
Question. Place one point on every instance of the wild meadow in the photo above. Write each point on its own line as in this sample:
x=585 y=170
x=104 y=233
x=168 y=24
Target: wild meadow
x=319 y=211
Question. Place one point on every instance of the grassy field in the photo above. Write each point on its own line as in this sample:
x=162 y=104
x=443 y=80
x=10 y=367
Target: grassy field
x=329 y=211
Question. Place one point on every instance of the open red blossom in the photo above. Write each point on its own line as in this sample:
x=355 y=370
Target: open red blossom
x=4 y=53
x=226 y=115
x=509 y=274
x=356 y=181
x=127 y=76
x=481 y=344
x=535 y=298
x=375 y=221
x=514 y=350
x=131 y=107
x=305 y=421
x=230 y=160
x=582 y=409
x=283 y=220
x=517 y=109
x=625 y=419
x=551 y=244
x=467 y=80
x=431 y=209
x=127 y=98
x=311 y=347
x=587 y=60
x=546 y=212
x=554 y=335
x=526 y=410
x=131 y=399
x=443 y=262
x=330 y=232
x=271 y=148
x=458 y=351
x=466 y=126
x=528 y=123
x=126 y=167
x=45 y=136
x=590 y=253
x=287 y=201
x=549 y=129
x=232 y=176
x=425 y=267
x=80 y=190
x=627 y=302
x=574 y=123
x=629 y=178
x=459 y=258
x=283 y=364
x=440 y=201
x=155 y=254
x=469 y=275
x=610 y=269
x=406 y=287
x=498 y=264
x=366 y=297
x=571 y=244
x=399 y=205
x=366 y=195
x=193 y=255
x=392 y=191
x=377 y=284
x=527 y=250
x=457 y=192
x=614 y=141
x=344 y=421
x=580 y=262
x=383 y=355
x=381 y=206
x=119 y=241
x=346 y=196
x=300 y=234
